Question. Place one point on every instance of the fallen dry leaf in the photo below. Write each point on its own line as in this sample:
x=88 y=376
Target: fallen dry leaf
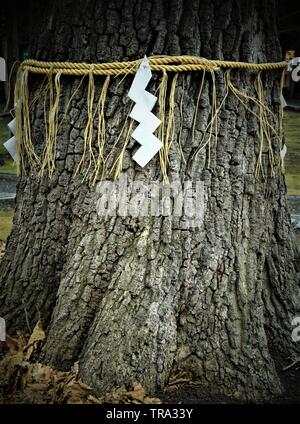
x=40 y=387
x=38 y=383
x=12 y=343
x=76 y=392
x=35 y=341
x=136 y=396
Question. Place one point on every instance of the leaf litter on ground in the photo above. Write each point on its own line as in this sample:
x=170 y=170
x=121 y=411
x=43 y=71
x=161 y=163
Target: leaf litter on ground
x=25 y=380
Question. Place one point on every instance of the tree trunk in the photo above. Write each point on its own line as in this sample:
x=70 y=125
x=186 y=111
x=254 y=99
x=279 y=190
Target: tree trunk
x=10 y=44
x=15 y=31
x=135 y=299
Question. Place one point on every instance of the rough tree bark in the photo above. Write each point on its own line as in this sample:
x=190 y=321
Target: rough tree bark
x=136 y=299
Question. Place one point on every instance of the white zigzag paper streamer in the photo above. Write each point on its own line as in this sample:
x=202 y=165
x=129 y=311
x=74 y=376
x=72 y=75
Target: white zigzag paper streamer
x=11 y=144
x=141 y=112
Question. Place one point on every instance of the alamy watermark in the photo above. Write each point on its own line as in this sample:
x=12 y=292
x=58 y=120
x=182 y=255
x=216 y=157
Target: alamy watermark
x=184 y=200
x=296 y=330
x=2 y=330
x=2 y=69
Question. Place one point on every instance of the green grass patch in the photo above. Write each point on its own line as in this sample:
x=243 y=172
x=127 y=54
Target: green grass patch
x=9 y=167
x=292 y=159
x=293 y=184
x=6 y=219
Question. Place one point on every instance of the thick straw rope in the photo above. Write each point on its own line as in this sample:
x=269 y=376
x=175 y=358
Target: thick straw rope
x=157 y=64
x=93 y=162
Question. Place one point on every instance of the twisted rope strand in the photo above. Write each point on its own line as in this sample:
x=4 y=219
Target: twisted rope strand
x=160 y=63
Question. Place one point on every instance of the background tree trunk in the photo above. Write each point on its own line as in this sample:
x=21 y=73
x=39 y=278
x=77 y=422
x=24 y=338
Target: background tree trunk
x=16 y=21
x=136 y=299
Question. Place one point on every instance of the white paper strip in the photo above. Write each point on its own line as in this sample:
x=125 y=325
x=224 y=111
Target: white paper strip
x=12 y=126
x=283 y=102
x=147 y=151
x=141 y=113
x=283 y=152
x=11 y=147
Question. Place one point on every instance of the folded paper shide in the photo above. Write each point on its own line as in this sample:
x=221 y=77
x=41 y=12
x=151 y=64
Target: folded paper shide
x=141 y=112
x=11 y=144
x=155 y=134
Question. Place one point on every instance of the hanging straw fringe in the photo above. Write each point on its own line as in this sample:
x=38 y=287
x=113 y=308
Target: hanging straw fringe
x=88 y=132
x=161 y=129
x=170 y=126
x=281 y=85
x=101 y=129
x=23 y=118
x=268 y=122
x=93 y=162
x=213 y=120
x=50 y=146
